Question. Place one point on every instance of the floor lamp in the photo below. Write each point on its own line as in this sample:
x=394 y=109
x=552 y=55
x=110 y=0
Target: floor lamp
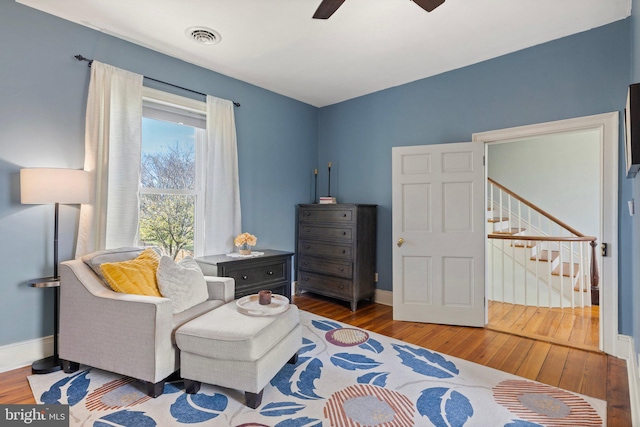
x=53 y=186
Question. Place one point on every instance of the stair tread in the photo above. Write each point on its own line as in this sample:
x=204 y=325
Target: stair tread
x=512 y=231
x=498 y=219
x=544 y=255
x=566 y=271
x=525 y=243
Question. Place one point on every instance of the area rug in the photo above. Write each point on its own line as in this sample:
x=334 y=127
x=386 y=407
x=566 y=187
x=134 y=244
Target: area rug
x=344 y=377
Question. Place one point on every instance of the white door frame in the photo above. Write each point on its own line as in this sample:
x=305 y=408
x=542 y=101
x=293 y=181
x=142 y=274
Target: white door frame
x=607 y=124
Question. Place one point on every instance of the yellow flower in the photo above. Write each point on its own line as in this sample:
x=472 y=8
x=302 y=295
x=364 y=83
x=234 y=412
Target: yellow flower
x=245 y=238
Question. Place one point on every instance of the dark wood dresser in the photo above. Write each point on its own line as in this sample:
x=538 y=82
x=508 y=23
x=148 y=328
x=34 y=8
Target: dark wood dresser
x=252 y=274
x=336 y=254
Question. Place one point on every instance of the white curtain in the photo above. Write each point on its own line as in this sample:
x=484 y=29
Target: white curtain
x=222 y=187
x=113 y=130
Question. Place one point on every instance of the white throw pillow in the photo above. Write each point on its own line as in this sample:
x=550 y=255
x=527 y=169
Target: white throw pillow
x=182 y=282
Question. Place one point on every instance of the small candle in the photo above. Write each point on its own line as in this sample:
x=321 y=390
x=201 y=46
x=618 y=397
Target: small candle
x=329 y=165
x=315 y=171
x=264 y=297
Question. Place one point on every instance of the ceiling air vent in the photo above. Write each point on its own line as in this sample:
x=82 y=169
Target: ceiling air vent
x=203 y=35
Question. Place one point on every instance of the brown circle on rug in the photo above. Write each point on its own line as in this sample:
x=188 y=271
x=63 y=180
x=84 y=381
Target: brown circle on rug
x=544 y=404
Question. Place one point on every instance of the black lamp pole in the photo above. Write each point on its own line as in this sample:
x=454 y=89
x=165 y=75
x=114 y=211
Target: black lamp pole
x=51 y=363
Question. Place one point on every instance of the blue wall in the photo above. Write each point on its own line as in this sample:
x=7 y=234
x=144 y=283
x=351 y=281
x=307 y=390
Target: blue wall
x=580 y=75
x=43 y=92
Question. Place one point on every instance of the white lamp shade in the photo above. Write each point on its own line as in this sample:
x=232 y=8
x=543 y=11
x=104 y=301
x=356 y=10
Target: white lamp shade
x=45 y=186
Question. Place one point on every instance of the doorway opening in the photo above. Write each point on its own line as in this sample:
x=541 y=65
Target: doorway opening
x=546 y=189
x=538 y=166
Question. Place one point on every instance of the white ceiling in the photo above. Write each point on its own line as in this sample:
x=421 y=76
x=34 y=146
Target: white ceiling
x=366 y=46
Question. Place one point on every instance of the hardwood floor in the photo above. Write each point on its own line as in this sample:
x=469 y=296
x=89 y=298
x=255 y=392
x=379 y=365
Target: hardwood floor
x=577 y=327
x=588 y=372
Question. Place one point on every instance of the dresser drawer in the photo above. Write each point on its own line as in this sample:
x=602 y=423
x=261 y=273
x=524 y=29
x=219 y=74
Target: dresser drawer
x=325 y=285
x=339 y=234
x=257 y=275
x=321 y=265
x=326 y=215
x=311 y=247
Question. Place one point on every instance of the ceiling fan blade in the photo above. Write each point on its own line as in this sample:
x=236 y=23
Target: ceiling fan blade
x=326 y=8
x=428 y=5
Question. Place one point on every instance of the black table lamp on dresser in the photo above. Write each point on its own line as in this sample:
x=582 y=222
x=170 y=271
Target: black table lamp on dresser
x=52 y=186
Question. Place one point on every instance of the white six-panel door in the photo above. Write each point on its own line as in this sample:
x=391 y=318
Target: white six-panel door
x=439 y=234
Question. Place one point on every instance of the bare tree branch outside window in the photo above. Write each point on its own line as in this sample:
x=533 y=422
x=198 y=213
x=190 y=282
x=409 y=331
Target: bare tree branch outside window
x=167 y=220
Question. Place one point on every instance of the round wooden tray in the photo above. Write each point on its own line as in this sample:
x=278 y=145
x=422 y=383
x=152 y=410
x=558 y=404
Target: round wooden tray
x=249 y=305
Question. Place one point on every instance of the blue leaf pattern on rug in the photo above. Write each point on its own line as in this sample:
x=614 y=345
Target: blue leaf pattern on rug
x=297 y=380
x=326 y=325
x=197 y=408
x=521 y=423
x=372 y=345
x=75 y=393
x=300 y=422
x=307 y=346
x=352 y=362
x=173 y=387
x=78 y=389
x=281 y=408
x=457 y=409
x=125 y=418
x=374 y=378
x=424 y=362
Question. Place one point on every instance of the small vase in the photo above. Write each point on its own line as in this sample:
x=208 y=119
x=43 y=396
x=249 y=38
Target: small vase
x=245 y=249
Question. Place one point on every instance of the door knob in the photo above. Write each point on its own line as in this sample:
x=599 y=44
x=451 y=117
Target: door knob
x=400 y=242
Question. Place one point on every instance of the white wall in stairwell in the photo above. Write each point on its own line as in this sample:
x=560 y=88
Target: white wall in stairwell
x=559 y=173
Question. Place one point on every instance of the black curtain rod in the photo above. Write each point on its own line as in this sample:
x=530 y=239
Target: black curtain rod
x=90 y=61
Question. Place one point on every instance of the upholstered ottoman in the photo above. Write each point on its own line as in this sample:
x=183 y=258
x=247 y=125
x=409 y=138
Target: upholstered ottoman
x=230 y=349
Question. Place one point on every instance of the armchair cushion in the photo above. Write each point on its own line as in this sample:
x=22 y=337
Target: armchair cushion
x=182 y=282
x=137 y=276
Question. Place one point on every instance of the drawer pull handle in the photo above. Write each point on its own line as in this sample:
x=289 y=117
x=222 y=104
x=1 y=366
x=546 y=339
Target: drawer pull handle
x=307 y=246
x=305 y=263
x=307 y=214
x=344 y=215
x=244 y=277
x=306 y=230
x=344 y=251
x=341 y=269
x=306 y=279
x=270 y=273
x=341 y=286
x=344 y=233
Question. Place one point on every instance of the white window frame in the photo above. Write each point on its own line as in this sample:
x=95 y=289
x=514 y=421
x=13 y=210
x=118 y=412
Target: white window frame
x=190 y=109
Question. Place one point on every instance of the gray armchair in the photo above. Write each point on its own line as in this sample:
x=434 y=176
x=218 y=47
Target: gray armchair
x=131 y=335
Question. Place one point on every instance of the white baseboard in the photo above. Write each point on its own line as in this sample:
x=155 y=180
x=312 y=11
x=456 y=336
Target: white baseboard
x=626 y=350
x=383 y=297
x=17 y=355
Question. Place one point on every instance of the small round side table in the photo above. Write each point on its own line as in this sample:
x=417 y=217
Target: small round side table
x=51 y=363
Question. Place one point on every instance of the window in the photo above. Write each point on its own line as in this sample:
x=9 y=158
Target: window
x=171 y=181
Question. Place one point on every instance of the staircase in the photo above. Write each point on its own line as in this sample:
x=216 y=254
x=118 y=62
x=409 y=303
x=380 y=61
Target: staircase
x=535 y=259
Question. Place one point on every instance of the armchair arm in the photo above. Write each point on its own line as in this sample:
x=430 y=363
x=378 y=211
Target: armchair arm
x=221 y=288
x=123 y=333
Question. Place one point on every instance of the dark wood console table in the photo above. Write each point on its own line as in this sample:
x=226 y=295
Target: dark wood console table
x=252 y=273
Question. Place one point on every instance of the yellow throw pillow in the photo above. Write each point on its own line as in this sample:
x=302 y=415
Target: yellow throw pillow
x=137 y=276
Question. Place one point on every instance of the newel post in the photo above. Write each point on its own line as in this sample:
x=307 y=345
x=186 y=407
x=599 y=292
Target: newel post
x=595 y=275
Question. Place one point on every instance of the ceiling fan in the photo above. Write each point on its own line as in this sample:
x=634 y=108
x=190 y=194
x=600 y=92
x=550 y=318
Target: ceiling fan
x=328 y=7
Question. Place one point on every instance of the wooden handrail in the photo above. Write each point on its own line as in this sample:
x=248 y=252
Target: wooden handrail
x=535 y=208
x=542 y=238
